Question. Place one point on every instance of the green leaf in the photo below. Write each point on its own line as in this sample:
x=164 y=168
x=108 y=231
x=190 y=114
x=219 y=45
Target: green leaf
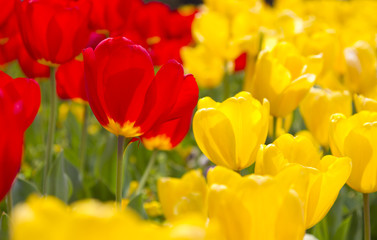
x=321 y=230
x=22 y=189
x=137 y=204
x=59 y=183
x=343 y=229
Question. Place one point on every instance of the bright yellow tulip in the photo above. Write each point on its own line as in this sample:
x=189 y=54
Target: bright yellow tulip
x=281 y=77
x=326 y=176
x=255 y=207
x=361 y=62
x=317 y=108
x=356 y=138
x=229 y=133
x=208 y=68
x=183 y=196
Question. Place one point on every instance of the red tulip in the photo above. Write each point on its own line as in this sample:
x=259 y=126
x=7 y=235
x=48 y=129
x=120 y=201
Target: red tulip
x=30 y=67
x=19 y=103
x=54 y=31
x=168 y=134
x=240 y=62
x=113 y=15
x=6 y=10
x=161 y=31
x=70 y=81
x=9 y=40
x=125 y=95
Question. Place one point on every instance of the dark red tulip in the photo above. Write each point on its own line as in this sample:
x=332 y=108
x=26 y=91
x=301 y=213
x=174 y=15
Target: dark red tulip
x=161 y=31
x=240 y=62
x=112 y=16
x=124 y=93
x=70 y=81
x=54 y=31
x=19 y=104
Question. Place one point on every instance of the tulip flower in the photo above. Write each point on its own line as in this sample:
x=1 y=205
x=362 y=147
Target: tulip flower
x=363 y=103
x=168 y=134
x=361 y=65
x=124 y=94
x=7 y=8
x=317 y=108
x=283 y=77
x=54 y=32
x=208 y=69
x=183 y=196
x=19 y=103
x=326 y=176
x=112 y=16
x=229 y=133
x=70 y=81
x=355 y=138
x=256 y=207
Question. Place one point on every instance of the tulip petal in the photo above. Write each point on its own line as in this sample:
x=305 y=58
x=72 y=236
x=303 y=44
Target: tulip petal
x=215 y=137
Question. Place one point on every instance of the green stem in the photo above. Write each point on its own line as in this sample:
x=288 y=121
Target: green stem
x=51 y=129
x=274 y=127
x=226 y=81
x=144 y=178
x=9 y=202
x=118 y=196
x=84 y=138
x=366 y=217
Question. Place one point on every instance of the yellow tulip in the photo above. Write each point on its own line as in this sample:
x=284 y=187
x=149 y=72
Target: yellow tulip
x=281 y=77
x=231 y=8
x=363 y=103
x=356 y=138
x=213 y=30
x=208 y=68
x=255 y=207
x=361 y=65
x=282 y=125
x=229 y=133
x=183 y=196
x=317 y=108
x=326 y=176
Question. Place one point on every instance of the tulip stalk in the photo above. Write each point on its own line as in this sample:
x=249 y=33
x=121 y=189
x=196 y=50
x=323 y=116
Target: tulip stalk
x=51 y=128
x=123 y=143
x=144 y=178
x=84 y=138
x=274 y=126
x=9 y=201
x=366 y=217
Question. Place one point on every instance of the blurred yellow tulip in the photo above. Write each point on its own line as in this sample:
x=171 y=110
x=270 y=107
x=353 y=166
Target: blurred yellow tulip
x=317 y=108
x=208 y=68
x=363 y=103
x=361 y=66
x=183 y=196
x=356 y=138
x=231 y=8
x=229 y=133
x=326 y=176
x=282 y=125
x=283 y=77
x=213 y=30
x=255 y=207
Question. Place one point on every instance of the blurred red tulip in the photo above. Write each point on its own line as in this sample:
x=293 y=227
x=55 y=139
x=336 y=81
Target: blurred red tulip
x=125 y=95
x=19 y=104
x=112 y=16
x=240 y=62
x=30 y=67
x=70 y=81
x=54 y=31
x=161 y=31
x=6 y=10
x=9 y=40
